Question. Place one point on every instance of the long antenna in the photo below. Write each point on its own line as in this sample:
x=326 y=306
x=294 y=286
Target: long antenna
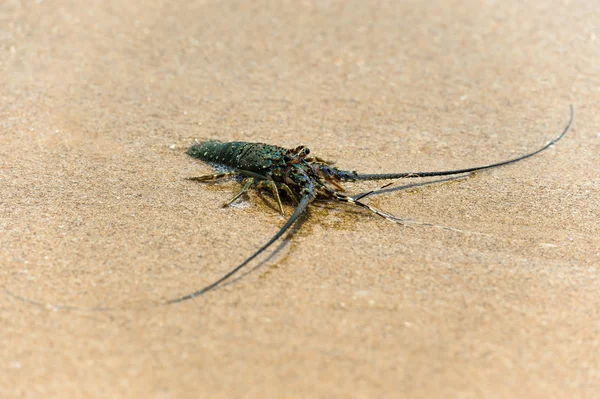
x=384 y=176
x=299 y=211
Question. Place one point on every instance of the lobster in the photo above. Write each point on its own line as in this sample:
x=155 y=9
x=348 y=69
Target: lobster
x=302 y=178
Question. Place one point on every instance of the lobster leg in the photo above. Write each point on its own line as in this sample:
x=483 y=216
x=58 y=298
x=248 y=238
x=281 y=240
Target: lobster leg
x=335 y=184
x=273 y=186
x=246 y=185
x=288 y=191
x=214 y=176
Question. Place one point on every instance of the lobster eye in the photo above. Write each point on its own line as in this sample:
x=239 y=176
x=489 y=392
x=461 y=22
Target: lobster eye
x=305 y=151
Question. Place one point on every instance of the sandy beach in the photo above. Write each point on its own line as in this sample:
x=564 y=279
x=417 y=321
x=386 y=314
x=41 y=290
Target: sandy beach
x=494 y=293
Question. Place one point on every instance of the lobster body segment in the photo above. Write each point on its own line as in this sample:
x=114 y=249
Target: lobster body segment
x=254 y=157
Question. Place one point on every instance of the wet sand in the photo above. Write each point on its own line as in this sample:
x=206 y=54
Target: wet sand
x=99 y=101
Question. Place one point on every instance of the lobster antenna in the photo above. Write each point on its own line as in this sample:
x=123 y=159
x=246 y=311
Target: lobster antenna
x=299 y=211
x=355 y=201
x=384 y=176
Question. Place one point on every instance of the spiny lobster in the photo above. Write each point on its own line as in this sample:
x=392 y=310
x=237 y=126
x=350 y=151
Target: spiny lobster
x=302 y=178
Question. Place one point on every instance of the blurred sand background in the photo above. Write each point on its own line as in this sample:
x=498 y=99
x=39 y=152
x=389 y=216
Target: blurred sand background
x=100 y=99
